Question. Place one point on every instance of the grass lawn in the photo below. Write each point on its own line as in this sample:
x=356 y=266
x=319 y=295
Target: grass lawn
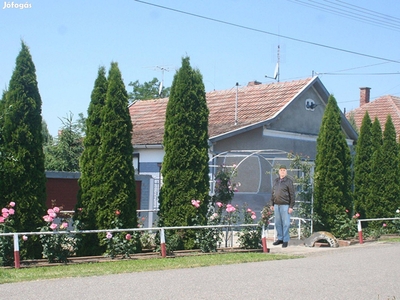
x=8 y=275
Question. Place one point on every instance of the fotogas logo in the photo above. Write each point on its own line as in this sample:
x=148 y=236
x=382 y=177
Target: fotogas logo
x=11 y=5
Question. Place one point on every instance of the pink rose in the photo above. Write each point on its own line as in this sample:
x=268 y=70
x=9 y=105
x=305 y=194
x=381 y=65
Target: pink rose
x=5 y=215
x=53 y=226
x=56 y=209
x=128 y=237
x=109 y=235
x=12 y=204
x=64 y=225
x=253 y=216
x=24 y=238
x=230 y=208
x=4 y=210
x=11 y=211
x=219 y=204
x=47 y=218
x=196 y=203
x=384 y=225
x=2 y=219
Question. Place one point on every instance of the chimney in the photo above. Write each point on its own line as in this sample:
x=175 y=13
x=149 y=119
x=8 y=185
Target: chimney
x=364 y=95
x=252 y=83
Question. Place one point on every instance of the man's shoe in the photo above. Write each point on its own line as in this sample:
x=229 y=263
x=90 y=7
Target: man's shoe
x=284 y=244
x=278 y=242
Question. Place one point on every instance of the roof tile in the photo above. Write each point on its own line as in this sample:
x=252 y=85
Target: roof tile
x=379 y=108
x=256 y=103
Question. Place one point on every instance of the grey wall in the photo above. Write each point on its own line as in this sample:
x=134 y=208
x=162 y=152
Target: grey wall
x=255 y=173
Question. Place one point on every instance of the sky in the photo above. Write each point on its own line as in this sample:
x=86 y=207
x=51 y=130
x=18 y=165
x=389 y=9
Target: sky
x=348 y=44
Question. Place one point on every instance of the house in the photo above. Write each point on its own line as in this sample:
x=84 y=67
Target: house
x=379 y=108
x=62 y=190
x=251 y=128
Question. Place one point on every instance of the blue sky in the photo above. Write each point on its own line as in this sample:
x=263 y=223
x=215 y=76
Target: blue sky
x=70 y=40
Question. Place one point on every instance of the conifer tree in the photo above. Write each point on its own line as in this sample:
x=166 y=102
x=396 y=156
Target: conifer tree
x=376 y=135
x=89 y=181
x=332 y=189
x=385 y=186
x=23 y=178
x=376 y=160
x=117 y=188
x=185 y=165
x=63 y=153
x=363 y=166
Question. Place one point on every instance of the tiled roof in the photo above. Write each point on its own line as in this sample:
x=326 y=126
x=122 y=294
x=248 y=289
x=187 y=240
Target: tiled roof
x=255 y=103
x=380 y=108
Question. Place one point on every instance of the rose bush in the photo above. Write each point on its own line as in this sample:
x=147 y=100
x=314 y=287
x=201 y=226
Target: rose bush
x=121 y=243
x=58 y=246
x=6 y=242
x=345 y=227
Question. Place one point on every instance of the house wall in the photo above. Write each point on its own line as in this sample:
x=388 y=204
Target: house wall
x=62 y=190
x=149 y=160
x=295 y=130
x=297 y=119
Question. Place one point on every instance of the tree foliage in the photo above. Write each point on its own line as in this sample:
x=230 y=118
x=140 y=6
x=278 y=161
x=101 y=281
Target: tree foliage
x=363 y=166
x=90 y=164
x=148 y=90
x=63 y=153
x=376 y=135
x=117 y=188
x=23 y=179
x=384 y=189
x=332 y=190
x=185 y=165
x=47 y=138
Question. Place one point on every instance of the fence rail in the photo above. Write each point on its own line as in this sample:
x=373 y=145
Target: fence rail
x=359 y=227
x=162 y=230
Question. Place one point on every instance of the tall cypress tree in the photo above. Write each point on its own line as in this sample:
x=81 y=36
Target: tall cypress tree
x=185 y=165
x=332 y=189
x=363 y=166
x=117 y=189
x=375 y=176
x=24 y=179
x=86 y=207
x=385 y=186
x=376 y=136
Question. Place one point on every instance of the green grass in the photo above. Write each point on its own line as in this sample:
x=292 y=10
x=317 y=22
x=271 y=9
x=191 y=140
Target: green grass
x=8 y=275
x=392 y=239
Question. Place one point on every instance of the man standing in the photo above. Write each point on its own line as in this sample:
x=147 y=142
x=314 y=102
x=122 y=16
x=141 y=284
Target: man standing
x=282 y=203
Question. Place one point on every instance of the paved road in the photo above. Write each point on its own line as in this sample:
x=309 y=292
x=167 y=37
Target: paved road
x=368 y=271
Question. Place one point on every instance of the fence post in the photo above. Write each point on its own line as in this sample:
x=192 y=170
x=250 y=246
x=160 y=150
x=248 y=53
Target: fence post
x=360 y=235
x=264 y=240
x=17 y=263
x=163 y=247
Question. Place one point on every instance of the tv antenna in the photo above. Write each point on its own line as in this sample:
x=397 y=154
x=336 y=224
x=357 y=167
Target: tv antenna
x=162 y=68
x=276 y=72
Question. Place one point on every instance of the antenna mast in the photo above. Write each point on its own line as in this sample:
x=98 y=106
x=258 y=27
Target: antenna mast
x=162 y=78
x=276 y=72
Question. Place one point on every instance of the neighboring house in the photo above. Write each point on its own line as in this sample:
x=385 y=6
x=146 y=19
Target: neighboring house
x=62 y=191
x=379 y=108
x=252 y=127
